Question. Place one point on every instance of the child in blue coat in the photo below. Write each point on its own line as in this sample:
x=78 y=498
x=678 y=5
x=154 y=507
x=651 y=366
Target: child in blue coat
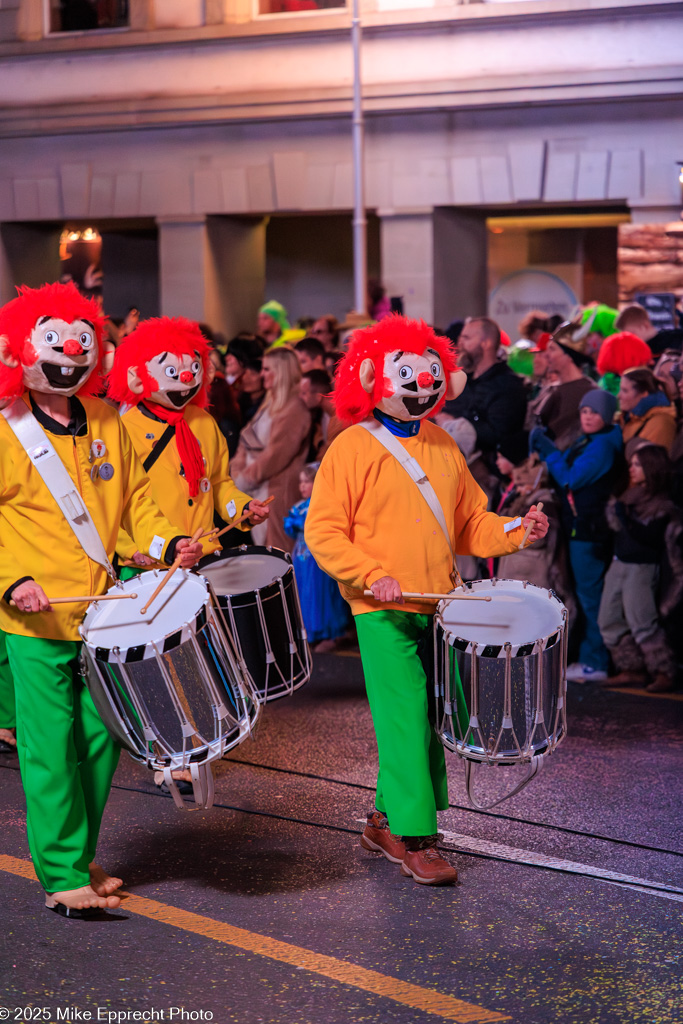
x=324 y=610
x=586 y=473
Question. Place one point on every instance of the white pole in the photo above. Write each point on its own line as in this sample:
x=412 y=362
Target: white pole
x=360 y=262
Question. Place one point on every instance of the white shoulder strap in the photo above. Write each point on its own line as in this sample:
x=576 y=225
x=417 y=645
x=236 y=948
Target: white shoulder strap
x=47 y=463
x=416 y=474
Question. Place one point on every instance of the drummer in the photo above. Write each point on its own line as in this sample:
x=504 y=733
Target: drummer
x=160 y=375
x=370 y=527
x=50 y=357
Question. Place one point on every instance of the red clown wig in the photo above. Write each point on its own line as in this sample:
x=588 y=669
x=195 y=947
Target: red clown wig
x=352 y=403
x=177 y=335
x=20 y=316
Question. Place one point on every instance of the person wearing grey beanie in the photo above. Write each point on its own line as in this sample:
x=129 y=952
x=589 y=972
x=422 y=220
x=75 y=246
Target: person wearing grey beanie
x=585 y=474
x=601 y=402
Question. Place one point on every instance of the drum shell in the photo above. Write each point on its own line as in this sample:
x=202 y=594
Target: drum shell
x=500 y=705
x=176 y=701
x=278 y=659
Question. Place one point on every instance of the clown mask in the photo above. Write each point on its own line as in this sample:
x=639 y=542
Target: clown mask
x=67 y=353
x=413 y=384
x=177 y=379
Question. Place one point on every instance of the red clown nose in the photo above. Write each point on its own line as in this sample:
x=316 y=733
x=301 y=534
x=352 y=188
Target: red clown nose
x=425 y=380
x=72 y=348
x=186 y=377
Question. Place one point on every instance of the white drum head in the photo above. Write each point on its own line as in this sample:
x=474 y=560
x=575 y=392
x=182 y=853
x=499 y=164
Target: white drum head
x=517 y=614
x=119 y=623
x=241 y=574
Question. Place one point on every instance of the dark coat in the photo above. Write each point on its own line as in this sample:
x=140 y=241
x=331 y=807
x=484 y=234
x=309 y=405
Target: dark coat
x=495 y=404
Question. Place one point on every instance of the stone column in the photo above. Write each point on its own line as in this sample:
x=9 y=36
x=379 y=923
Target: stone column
x=407 y=259
x=212 y=269
x=29 y=254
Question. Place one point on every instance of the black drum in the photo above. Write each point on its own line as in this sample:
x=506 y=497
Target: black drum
x=255 y=588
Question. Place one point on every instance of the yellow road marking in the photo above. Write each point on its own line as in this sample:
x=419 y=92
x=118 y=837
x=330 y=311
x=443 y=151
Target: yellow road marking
x=403 y=992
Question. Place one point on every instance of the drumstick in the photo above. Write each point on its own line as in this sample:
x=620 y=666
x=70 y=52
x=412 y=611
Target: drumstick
x=176 y=565
x=415 y=596
x=539 y=508
x=134 y=565
x=245 y=515
x=85 y=600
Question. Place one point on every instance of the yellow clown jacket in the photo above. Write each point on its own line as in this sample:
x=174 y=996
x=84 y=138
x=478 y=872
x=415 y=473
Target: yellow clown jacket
x=35 y=538
x=367 y=519
x=169 y=489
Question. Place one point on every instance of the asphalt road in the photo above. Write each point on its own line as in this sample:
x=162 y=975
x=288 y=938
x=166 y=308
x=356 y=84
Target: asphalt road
x=266 y=909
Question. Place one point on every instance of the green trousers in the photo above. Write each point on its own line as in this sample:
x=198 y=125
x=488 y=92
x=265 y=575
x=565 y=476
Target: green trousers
x=8 y=718
x=66 y=756
x=411 y=784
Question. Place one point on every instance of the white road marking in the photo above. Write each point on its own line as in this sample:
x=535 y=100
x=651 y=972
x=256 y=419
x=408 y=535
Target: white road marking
x=470 y=844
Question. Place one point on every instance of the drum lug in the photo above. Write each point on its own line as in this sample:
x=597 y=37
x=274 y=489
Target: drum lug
x=507 y=722
x=293 y=649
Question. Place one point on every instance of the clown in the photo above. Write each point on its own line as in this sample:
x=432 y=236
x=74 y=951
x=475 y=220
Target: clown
x=372 y=527
x=160 y=370
x=50 y=357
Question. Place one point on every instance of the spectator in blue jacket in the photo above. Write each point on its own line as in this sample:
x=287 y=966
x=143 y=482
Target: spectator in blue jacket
x=586 y=473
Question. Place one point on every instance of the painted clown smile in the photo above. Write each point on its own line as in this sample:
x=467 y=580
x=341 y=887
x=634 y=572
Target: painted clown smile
x=59 y=376
x=180 y=398
x=420 y=405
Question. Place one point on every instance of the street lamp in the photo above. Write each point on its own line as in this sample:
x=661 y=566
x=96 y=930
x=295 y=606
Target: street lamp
x=360 y=260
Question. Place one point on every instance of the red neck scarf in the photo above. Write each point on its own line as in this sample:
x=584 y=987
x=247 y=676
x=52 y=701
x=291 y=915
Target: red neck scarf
x=188 y=446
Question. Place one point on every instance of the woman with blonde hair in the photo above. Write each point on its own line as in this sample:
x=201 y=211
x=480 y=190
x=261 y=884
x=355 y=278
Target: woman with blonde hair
x=273 y=446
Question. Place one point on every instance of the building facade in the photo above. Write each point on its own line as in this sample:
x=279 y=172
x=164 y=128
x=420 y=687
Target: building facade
x=209 y=144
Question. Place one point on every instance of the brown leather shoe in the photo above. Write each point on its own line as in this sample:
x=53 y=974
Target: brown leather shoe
x=626 y=679
x=377 y=837
x=661 y=683
x=428 y=867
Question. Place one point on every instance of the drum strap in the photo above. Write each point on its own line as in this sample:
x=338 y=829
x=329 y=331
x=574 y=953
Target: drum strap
x=158 y=448
x=419 y=478
x=48 y=464
x=533 y=768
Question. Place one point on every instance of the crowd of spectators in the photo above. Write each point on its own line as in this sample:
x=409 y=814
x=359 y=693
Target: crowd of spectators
x=585 y=416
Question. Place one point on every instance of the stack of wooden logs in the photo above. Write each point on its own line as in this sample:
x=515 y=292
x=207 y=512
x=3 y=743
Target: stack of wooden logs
x=648 y=260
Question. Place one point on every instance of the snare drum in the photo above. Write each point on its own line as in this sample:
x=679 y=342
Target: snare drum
x=256 y=591
x=167 y=684
x=500 y=673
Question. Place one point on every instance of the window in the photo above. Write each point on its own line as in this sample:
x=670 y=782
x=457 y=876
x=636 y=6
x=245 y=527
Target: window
x=293 y=6
x=82 y=15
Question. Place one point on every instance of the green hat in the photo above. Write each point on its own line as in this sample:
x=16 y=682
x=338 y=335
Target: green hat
x=598 y=318
x=520 y=357
x=277 y=311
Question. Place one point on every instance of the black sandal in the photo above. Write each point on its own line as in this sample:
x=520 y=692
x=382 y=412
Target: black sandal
x=74 y=913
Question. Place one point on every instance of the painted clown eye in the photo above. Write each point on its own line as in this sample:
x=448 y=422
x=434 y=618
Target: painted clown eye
x=85 y=339
x=405 y=372
x=435 y=370
x=171 y=371
x=195 y=367
x=51 y=337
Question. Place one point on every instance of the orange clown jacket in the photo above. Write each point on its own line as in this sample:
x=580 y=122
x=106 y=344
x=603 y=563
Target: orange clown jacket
x=169 y=489
x=367 y=519
x=36 y=539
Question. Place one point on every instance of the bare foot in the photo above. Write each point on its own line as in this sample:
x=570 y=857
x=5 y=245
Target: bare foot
x=101 y=882
x=183 y=774
x=82 y=899
x=8 y=736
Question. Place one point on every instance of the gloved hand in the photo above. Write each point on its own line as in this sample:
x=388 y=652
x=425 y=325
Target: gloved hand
x=540 y=442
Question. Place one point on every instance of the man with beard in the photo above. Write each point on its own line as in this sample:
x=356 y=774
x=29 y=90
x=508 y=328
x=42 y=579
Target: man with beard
x=494 y=398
